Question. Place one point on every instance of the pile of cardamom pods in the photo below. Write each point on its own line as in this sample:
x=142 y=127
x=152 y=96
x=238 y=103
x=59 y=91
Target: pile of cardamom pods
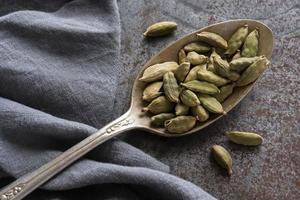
x=184 y=93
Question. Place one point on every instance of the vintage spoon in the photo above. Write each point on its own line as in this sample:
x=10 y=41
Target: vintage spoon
x=133 y=118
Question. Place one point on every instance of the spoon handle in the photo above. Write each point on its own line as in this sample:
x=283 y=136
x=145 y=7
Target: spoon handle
x=27 y=183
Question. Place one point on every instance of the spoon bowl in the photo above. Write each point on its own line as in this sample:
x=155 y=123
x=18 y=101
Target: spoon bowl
x=134 y=118
x=170 y=53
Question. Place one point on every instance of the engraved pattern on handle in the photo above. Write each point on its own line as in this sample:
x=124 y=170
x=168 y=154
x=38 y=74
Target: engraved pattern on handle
x=11 y=193
x=27 y=183
x=120 y=124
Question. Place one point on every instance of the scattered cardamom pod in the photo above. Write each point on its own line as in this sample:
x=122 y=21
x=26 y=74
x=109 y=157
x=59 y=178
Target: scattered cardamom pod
x=171 y=87
x=240 y=64
x=200 y=113
x=211 y=104
x=195 y=58
x=159 y=105
x=222 y=68
x=160 y=29
x=197 y=47
x=181 y=56
x=157 y=71
x=181 y=109
x=189 y=98
x=211 y=77
x=212 y=39
x=180 y=124
x=250 y=47
x=253 y=71
x=244 y=138
x=192 y=75
x=159 y=120
x=182 y=71
x=236 y=55
x=223 y=158
x=201 y=86
x=152 y=91
x=236 y=40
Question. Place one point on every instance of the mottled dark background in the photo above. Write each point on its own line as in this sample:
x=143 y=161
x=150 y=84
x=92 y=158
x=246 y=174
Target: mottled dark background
x=271 y=171
x=268 y=172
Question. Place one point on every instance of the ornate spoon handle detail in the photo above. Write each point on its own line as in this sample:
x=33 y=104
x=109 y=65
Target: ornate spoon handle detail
x=11 y=193
x=27 y=183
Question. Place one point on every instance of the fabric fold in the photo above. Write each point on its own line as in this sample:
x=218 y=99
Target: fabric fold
x=59 y=69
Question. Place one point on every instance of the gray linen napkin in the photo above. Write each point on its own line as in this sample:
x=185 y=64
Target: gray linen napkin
x=58 y=78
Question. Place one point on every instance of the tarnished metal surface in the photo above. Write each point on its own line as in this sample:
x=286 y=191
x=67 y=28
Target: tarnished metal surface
x=270 y=171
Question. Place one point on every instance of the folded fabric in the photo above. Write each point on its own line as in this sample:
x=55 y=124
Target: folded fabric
x=58 y=76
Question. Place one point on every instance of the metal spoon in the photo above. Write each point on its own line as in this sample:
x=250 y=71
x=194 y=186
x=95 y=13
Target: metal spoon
x=133 y=118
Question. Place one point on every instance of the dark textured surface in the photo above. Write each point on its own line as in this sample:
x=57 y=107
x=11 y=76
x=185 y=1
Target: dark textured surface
x=270 y=171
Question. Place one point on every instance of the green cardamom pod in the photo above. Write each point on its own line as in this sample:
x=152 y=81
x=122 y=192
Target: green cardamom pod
x=157 y=71
x=253 y=71
x=240 y=64
x=222 y=68
x=181 y=109
x=236 y=40
x=244 y=138
x=211 y=104
x=225 y=91
x=200 y=113
x=181 y=56
x=159 y=120
x=210 y=65
x=197 y=47
x=192 y=75
x=223 y=158
x=159 y=105
x=171 y=87
x=250 y=47
x=160 y=29
x=180 y=124
x=201 y=86
x=189 y=98
x=182 y=71
x=195 y=58
x=236 y=55
x=152 y=91
x=213 y=39
x=214 y=54
x=211 y=77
